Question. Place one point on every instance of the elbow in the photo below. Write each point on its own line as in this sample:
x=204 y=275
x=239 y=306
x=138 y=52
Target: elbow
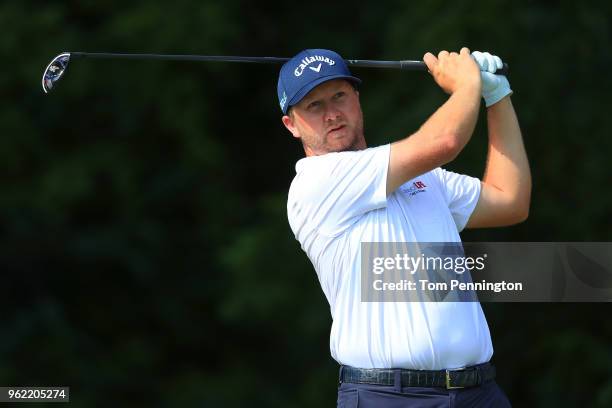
x=522 y=216
x=451 y=147
x=525 y=203
x=513 y=217
x=521 y=213
x=521 y=202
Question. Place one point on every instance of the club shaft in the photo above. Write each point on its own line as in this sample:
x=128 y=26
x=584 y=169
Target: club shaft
x=405 y=64
x=170 y=57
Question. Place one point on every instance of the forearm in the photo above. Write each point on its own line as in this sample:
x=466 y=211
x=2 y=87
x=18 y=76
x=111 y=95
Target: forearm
x=507 y=166
x=455 y=120
x=438 y=141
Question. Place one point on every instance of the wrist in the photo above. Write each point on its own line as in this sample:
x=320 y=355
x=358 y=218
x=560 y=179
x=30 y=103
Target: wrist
x=498 y=88
x=472 y=90
x=499 y=103
x=471 y=86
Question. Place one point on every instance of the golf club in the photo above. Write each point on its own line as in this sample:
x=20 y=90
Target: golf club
x=58 y=66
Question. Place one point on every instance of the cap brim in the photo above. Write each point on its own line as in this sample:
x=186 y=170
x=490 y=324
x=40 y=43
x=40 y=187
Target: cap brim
x=308 y=87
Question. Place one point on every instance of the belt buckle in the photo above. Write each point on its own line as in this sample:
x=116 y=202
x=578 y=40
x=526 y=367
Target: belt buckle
x=448 y=381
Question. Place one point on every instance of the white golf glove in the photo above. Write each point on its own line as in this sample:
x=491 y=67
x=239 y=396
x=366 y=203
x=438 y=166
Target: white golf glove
x=494 y=87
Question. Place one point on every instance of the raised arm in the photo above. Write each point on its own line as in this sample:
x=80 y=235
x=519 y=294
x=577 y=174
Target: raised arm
x=447 y=131
x=506 y=185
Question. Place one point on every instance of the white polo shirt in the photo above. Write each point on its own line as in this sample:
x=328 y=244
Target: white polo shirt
x=338 y=200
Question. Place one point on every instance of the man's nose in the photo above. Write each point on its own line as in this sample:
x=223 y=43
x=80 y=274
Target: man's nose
x=332 y=113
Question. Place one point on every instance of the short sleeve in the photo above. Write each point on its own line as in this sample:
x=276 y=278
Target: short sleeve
x=461 y=193
x=334 y=190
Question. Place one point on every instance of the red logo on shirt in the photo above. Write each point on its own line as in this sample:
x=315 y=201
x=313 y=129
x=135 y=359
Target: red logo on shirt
x=415 y=188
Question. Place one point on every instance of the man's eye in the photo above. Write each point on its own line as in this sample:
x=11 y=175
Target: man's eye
x=314 y=104
x=339 y=95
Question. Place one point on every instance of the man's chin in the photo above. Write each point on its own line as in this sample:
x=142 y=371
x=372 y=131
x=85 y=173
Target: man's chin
x=345 y=144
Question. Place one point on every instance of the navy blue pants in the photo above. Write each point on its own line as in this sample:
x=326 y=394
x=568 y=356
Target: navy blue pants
x=365 y=396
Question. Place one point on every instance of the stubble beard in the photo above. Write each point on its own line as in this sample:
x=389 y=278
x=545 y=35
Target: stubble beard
x=355 y=141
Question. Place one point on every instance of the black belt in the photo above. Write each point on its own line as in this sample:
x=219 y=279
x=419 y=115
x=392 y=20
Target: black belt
x=457 y=378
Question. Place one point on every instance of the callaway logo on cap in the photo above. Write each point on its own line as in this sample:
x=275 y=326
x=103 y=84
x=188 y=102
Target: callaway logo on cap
x=306 y=70
x=309 y=60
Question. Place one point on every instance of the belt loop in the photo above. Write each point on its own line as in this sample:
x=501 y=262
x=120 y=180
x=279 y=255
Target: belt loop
x=340 y=375
x=397 y=381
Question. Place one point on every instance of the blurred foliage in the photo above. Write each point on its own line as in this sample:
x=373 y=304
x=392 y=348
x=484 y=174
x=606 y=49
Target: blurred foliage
x=145 y=254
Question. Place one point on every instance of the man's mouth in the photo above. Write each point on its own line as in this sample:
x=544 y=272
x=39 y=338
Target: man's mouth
x=336 y=128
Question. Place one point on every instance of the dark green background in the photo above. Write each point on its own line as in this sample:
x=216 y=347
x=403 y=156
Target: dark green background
x=146 y=258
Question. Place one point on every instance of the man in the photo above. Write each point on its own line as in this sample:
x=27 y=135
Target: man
x=414 y=354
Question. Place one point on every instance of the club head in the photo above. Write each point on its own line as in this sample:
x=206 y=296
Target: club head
x=54 y=71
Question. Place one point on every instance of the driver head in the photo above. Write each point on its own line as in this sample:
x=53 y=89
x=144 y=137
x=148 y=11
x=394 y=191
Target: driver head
x=54 y=71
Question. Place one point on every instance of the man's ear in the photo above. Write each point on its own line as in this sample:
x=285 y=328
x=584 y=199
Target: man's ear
x=290 y=125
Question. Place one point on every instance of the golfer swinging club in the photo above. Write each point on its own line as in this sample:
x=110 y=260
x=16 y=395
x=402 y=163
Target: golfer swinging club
x=401 y=354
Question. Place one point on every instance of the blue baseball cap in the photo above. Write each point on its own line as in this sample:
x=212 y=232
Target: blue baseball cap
x=309 y=68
